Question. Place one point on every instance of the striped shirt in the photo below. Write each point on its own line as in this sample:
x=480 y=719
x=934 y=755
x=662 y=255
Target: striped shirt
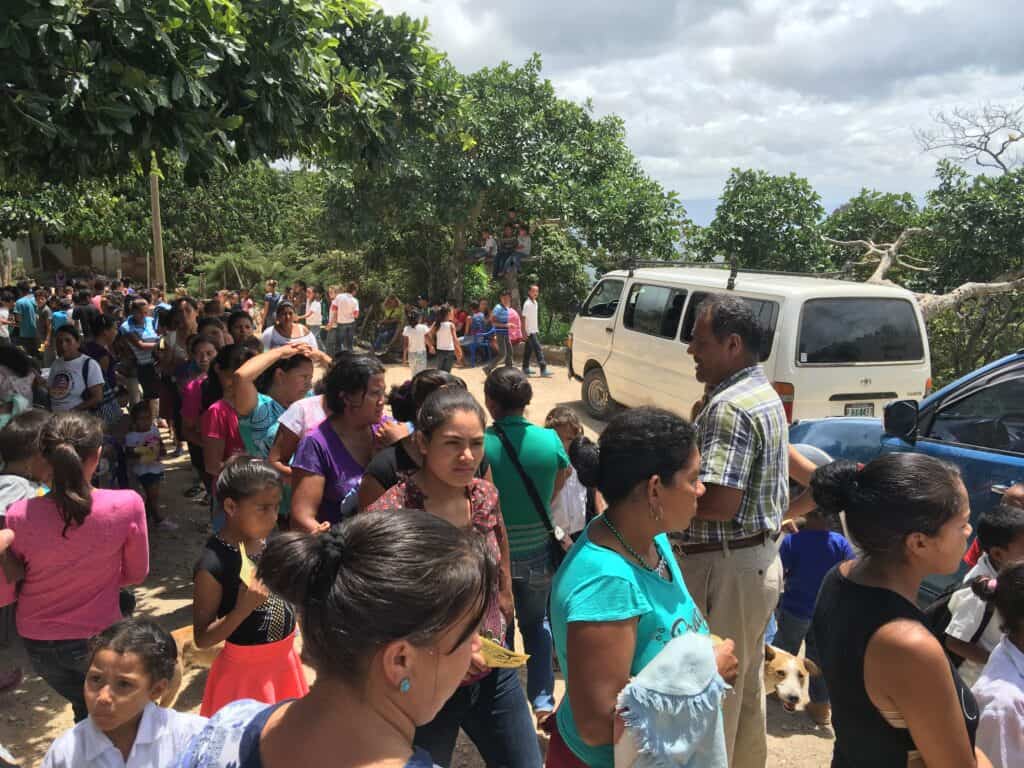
x=744 y=444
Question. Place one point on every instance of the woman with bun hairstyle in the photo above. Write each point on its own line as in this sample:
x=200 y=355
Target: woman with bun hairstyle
x=79 y=546
x=897 y=700
x=1000 y=689
x=539 y=452
x=389 y=606
x=489 y=705
x=619 y=597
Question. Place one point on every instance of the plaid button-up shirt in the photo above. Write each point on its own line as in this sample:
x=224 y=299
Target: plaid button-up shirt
x=744 y=444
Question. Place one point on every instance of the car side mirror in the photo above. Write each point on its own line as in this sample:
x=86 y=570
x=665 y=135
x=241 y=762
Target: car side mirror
x=901 y=420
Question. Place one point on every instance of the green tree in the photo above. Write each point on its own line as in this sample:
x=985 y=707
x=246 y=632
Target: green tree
x=765 y=222
x=512 y=142
x=92 y=87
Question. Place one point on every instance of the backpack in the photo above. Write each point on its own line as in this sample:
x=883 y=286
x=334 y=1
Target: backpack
x=937 y=617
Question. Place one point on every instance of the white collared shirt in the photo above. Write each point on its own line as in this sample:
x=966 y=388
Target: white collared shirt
x=1000 y=695
x=162 y=737
x=531 y=325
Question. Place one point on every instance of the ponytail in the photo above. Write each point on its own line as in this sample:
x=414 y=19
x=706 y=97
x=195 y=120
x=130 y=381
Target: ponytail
x=67 y=441
x=1007 y=593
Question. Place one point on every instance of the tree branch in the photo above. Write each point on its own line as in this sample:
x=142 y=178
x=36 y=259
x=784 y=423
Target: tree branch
x=934 y=304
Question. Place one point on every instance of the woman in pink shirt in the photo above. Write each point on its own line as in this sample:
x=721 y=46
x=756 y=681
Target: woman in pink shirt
x=79 y=546
x=219 y=421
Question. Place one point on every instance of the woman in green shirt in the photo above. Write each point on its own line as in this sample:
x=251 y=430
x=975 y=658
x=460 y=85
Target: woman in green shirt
x=619 y=597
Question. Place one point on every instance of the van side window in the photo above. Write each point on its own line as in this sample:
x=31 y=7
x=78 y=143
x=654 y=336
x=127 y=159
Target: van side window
x=992 y=418
x=767 y=313
x=654 y=310
x=604 y=299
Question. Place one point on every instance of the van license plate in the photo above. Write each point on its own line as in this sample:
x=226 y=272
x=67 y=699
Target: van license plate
x=861 y=409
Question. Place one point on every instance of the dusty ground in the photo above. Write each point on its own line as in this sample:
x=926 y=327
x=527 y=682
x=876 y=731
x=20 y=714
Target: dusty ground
x=32 y=715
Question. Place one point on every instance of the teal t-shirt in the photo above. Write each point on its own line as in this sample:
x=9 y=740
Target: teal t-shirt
x=598 y=584
x=27 y=311
x=541 y=453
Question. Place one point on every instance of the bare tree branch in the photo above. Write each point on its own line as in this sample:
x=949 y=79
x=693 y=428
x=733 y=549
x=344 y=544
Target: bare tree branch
x=991 y=136
x=885 y=255
x=933 y=304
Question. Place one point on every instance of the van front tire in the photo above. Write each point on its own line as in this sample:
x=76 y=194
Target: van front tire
x=596 y=397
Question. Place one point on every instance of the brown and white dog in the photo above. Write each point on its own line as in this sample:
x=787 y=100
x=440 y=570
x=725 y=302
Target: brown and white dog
x=787 y=676
x=189 y=656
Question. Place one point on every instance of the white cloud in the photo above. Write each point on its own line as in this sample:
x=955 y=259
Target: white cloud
x=829 y=89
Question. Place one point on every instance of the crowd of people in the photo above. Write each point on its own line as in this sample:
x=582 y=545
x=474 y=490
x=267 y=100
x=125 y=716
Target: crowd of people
x=406 y=534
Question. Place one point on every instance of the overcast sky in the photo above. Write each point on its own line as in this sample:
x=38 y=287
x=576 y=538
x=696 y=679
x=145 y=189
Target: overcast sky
x=829 y=89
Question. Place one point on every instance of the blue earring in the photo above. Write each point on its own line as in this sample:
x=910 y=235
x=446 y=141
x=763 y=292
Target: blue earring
x=405 y=686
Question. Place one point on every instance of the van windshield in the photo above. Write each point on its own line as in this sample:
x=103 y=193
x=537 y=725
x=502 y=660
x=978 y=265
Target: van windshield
x=859 y=331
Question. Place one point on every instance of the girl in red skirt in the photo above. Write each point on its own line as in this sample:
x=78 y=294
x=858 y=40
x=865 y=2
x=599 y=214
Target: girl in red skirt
x=229 y=603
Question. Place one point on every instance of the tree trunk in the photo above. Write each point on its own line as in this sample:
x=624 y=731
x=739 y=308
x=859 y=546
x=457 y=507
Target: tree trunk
x=459 y=248
x=511 y=280
x=158 y=237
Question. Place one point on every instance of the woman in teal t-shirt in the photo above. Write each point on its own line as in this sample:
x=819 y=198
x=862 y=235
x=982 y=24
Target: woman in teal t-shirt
x=619 y=596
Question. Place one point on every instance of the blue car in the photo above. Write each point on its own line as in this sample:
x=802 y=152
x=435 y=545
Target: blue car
x=975 y=423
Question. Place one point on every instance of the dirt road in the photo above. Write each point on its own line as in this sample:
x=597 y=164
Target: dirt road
x=32 y=715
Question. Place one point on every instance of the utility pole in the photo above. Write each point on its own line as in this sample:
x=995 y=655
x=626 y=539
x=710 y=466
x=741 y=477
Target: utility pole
x=158 y=237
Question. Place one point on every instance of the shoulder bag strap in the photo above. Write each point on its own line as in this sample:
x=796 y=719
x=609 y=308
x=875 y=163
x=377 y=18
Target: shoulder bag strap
x=531 y=489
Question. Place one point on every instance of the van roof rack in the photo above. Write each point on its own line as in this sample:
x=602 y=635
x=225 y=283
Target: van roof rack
x=734 y=269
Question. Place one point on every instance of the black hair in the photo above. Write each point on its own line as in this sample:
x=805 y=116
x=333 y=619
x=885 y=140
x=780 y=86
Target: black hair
x=7 y=297
x=176 y=312
x=636 y=445
x=143 y=406
x=82 y=297
x=210 y=322
x=15 y=360
x=894 y=496
x=70 y=330
x=20 y=437
x=195 y=341
x=413 y=317
x=509 y=388
x=228 y=360
x=405 y=400
x=101 y=323
x=143 y=637
x=244 y=476
x=377 y=578
x=732 y=315
x=237 y=315
x=1000 y=525
x=163 y=317
x=441 y=404
x=1007 y=593
x=349 y=375
x=213 y=308
x=266 y=379
x=138 y=304
x=66 y=441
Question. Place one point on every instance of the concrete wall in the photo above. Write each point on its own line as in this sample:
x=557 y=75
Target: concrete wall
x=103 y=260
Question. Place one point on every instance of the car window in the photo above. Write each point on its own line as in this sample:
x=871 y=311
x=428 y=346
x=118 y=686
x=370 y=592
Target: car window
x=604 y=299
x=849 y=330
x=767 y=313
x=654 y=309
x=992 y=417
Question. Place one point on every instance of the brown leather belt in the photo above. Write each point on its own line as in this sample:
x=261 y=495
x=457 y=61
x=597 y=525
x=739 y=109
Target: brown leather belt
x=700 y=548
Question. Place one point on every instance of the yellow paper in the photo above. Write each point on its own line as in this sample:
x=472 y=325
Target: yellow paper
x=246 y=573
x=499 y=657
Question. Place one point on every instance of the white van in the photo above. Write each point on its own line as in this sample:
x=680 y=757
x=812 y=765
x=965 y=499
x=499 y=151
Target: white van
x=831 y=347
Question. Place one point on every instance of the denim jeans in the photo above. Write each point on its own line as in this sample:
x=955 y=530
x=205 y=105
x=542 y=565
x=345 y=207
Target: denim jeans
x=494 y=714
x=347 y=337
x=331 y=341
x=792 y=632
x=62 y=664
x=531 y=589
x=533 y=348
x=384 y=335
x=445 y=359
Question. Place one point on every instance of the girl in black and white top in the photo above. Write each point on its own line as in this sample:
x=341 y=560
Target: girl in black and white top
x=446 y=339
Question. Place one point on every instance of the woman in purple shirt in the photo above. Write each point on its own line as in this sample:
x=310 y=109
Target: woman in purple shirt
x=329 y=462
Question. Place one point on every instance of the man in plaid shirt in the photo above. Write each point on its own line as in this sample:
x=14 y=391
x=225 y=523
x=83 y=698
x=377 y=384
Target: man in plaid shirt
x=728 y=555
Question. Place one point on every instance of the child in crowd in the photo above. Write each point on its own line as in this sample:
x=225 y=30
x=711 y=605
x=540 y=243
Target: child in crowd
x=506 y=250
x=445 y=337
x=1000 y=689
x=807 y=556
x=6 y=305
x=201 y=354
x=417 y=342
x=972 y=633
x=258 y=661
x=524 y=244
x=130 y=667
x=144 y=449
x=25 y=472
x=569 y=509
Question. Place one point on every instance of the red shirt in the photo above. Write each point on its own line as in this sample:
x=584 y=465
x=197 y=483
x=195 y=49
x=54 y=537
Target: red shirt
x=220 y=422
